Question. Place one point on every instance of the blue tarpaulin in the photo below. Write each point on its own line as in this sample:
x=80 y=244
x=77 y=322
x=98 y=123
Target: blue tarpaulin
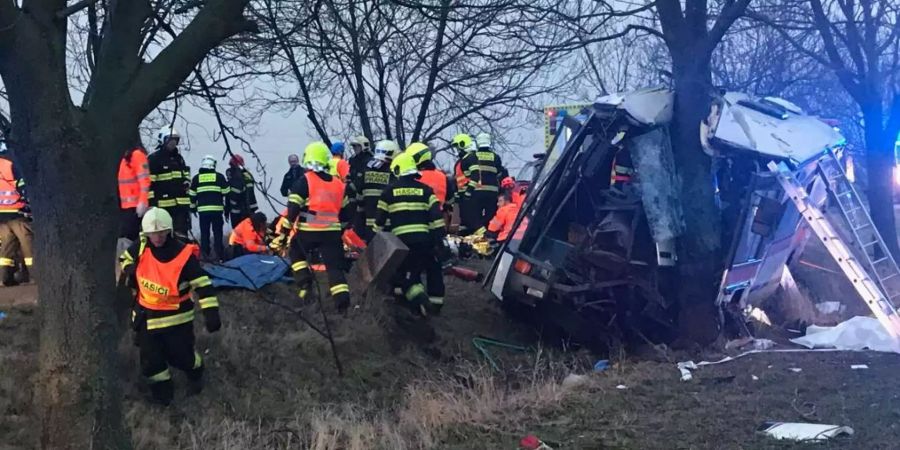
x=248 y=272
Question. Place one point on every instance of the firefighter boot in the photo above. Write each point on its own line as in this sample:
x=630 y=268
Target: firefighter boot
x=162 y=392
x=195 y=380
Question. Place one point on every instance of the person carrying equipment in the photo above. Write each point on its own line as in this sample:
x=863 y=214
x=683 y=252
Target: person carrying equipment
x=410 y=210
x=209 y=194
x=164 y=271
x=369 y=184
x=322 y=203
x=249 y=236
x=170 y=180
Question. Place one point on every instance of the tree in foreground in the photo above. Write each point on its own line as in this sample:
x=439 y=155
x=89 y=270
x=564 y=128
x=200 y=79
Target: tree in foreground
x=69 y=151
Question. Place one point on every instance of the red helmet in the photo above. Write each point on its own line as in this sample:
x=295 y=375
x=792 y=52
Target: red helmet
x=508 y=183
x=236 y=161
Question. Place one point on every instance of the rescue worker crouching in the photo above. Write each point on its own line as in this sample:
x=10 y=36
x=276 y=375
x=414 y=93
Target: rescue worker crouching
x=322 y=203
x=410 y=210
x=500 y=227
x=164 y=271
x=249 y=236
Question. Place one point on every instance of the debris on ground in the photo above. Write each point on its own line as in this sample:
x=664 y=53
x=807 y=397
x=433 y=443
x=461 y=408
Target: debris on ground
x=601 y=365
x=574 y=379
x=803 y=431
x=531 y=442
x=621 y=387
x=795 y=369
x=2 y=315
x=859 y=366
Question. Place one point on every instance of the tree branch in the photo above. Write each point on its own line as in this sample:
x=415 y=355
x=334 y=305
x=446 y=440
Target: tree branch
x=69 y=10
x=732 y=12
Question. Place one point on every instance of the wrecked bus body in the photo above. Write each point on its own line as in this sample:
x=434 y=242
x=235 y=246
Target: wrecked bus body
x=597 y=258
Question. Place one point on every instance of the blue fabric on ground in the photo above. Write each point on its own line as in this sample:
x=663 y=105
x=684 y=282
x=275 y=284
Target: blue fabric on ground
x=248 y=272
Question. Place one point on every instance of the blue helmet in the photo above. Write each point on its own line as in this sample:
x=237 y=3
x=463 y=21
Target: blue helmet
x=337 y=148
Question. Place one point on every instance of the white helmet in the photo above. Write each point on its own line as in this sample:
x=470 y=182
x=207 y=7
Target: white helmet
x=166 y=133
x=3 y=148
x=156 y=219
x=386 y=149
x=483 y=140
x=208 y=162
x=361 y=141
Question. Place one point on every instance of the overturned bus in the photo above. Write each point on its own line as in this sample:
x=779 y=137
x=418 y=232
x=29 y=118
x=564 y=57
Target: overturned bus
x=597 y=258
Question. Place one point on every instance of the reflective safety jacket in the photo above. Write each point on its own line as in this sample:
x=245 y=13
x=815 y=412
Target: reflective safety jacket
x=242 y=197
x=321 y=202
x=170 y=179
x=484 y=170
x=134 y=179
x=164 y=277
x=11 y=187
x=461 y=179
x=443 y=188
x=340 y=167
x=245 y=236
x=369 y=184
x=503 y=221
x=209 y=191
x=410 y=210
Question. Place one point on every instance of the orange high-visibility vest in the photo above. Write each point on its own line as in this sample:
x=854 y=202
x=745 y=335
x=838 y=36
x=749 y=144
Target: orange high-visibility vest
x=437 y=181
x=10 y=198
x=341 y=168
x=325 y=201
x=134 y=179
x=461 y=179
x=158 y=281
x=518 y=196
x=503 y=221
x=245 y=236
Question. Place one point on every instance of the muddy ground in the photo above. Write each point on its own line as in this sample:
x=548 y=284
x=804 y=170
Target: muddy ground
x=272 y=384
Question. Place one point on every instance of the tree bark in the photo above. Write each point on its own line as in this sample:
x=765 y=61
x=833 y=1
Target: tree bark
x=880 y=162
x=699 y=248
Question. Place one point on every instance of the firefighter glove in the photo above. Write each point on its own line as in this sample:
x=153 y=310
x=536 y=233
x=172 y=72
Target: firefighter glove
x=212 y=320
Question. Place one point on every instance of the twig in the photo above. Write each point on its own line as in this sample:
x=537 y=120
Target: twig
x=68 y=11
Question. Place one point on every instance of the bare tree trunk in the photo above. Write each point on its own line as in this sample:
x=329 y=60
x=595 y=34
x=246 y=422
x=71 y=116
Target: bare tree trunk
x=880 y=162
x=699 y=247
x=79 y=331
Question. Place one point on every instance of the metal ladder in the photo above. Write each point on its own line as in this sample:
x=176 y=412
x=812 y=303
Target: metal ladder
x=870 y=291
x=878 y=259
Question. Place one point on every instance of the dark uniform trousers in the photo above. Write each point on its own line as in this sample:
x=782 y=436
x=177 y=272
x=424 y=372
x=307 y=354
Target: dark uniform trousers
x=421 y=259
x=478 y=209
x=130 y=224
x=212 y=221
x=172 y=346
x=16 y=238
x=331 y=249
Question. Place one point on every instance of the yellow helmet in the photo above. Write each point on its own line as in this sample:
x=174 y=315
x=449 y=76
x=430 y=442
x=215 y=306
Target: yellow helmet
x=462 y=141
x=420 y=152
x=317 y=156
x=155 y=220
x=403 y=164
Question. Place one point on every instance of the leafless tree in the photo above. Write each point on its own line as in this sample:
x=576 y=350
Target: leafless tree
x=67 y=133
x=859 y=41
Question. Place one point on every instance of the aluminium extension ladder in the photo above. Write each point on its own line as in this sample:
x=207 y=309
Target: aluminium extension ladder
x=867 y=284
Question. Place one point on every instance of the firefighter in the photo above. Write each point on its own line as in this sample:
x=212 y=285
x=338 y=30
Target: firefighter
x=322 y=203
x=249 y=236
x=410 y=210
x=164 y=271
x=484 y=170
x=362 y=154
x=369 y=184
x=209 y=193
x=134 y=189
x=339 y=166
x=170 y=179
x=463 y=145
x=242 y=198
x=15 y=228
x=431 y=176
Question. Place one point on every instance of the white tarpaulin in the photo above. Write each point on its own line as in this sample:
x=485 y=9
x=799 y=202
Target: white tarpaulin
x=858 y=333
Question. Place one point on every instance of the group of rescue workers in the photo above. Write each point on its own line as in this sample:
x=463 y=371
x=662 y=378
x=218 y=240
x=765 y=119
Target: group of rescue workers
x=331 y=201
